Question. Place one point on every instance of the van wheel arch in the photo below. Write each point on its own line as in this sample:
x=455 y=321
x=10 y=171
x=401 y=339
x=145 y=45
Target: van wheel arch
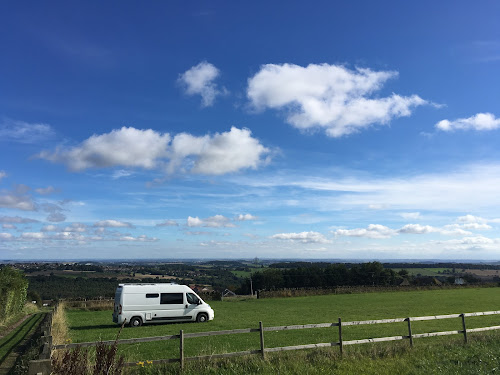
x=202 y=317
x=136 y=321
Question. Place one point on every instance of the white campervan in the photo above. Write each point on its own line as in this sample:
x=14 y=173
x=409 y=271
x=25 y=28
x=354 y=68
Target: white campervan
x=151 y=303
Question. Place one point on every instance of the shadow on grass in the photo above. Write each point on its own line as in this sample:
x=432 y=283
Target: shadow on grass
x=16 y=334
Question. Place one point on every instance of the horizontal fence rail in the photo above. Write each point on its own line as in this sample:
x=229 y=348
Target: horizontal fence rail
x=263 y=350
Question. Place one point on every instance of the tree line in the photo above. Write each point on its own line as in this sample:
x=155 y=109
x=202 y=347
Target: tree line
x=324 y=276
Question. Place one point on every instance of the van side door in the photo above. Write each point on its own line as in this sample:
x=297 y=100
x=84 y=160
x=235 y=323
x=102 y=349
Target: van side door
x=171 y=306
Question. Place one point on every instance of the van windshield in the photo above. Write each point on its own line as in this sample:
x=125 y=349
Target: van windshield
x=192 y=299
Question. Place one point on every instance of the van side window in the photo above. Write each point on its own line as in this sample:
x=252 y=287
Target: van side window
x=152 y=295
x=192 y=299
x=171 y=299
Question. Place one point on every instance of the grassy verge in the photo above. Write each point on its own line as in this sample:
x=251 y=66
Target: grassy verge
x=480 y=356
x=14 y=338
x=59 y=325
x=6 y=325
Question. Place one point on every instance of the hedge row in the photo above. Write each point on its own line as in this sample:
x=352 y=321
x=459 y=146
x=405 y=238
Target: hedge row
x=13 y=289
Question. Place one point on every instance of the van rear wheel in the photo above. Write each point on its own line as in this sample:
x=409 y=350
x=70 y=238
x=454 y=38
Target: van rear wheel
x=202 y=318
x=135 y=322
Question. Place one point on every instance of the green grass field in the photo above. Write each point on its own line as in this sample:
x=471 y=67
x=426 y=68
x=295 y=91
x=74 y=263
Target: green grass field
x=95 y=325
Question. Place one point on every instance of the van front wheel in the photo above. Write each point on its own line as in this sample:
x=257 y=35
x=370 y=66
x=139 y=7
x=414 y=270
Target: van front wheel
x=135 y=322
x=202 y=318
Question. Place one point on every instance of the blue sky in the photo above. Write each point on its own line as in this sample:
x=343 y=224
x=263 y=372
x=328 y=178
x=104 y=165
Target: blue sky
x=357 y=130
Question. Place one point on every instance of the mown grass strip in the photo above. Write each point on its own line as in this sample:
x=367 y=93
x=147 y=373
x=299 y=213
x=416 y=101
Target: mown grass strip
x=14 y=338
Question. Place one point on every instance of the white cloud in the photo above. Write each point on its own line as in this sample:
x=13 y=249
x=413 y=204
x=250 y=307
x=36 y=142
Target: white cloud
x=218 y=154
x=76 y=227
x=372 y=231
x=168 y=223
x=417 y=229
x=199 y=80
x=141 y=238
x=46 y=191
x=378 y=231
x=2 y=175
x=410 y=215
x=23 y=132
x=329 y=97
x=217 y=221
x=50 y=228
x=6 y=236
x=33 y=236
x=56 y=217
x=17 y=199
x=424 y=229
x=471 y=219
x=17 y=220
x=112 y=224
x=120 y=174
x=126 y=146
x=303 y=237
x=478 y=240
x=9 y=226
x=469 y=226
x=246 y=217
x=480 y=122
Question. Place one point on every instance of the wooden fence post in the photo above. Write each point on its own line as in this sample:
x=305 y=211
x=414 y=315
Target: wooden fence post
x=464 y=327
x=261 y=332
x=410 y=336
x=181 y=348
x=341 y=345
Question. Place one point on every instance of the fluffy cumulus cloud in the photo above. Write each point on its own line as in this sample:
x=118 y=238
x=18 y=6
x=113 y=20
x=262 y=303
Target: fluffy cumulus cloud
x=112 y=224
x=410 y=215
x=217 y=221
x=121 y=147
x=18 y=198
x=468 y=219
x=477 y=240
x=330 y=97
x=303 y=237
x=168 y=223
x=378 y=231
x=246 y=217
x=200 y=80
x=424 y=229
x=141 y=238
x=215 y=154
x=23 y=132
x=218 y=154
x=372 y=231
x=480 y=122
x=6 y=236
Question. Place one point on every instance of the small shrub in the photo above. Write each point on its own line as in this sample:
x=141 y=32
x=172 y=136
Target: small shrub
x=73 y=362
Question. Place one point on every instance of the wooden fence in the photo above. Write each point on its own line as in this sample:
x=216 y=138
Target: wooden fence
x=263 y=350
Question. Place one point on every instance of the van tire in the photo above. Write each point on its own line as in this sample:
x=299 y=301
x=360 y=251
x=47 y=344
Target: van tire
x=135 y=322
x=202 y=318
